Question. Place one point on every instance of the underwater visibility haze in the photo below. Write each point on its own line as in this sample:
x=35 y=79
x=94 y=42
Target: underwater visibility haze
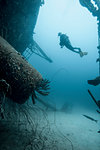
x=69 y=72
x=60 y=110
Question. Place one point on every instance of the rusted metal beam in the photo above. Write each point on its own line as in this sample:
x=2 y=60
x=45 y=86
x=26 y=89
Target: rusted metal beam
x=34 y=48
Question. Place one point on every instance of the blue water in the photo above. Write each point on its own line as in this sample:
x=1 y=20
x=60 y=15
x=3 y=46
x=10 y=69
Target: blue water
x=38 y=126
x=69 y=72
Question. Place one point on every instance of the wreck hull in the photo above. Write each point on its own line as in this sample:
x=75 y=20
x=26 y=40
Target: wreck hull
x=18 y=73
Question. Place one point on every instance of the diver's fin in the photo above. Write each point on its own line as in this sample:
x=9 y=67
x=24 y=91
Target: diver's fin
x=98 y=111
x=82 y=53
x=85 y=53
x=99 y=131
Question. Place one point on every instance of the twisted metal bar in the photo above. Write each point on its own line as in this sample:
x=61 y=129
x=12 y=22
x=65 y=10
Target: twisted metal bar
x=96 y=13
x=89 y=5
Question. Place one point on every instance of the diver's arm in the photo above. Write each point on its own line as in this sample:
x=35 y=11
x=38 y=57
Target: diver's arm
x=61 y=44
x=72 y=49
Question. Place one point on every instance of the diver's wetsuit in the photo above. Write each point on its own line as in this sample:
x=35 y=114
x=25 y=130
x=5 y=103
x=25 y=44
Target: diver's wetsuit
x=64 y=41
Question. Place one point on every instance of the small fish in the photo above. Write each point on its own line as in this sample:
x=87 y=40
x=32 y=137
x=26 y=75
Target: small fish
x=90 y=118
x=98 y=111
x=99 y=131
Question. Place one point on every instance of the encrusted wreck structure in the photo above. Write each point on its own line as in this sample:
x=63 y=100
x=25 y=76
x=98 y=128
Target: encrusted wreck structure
x=17 y=22
x=18 y=79
x=94 y=8
x=22 y=78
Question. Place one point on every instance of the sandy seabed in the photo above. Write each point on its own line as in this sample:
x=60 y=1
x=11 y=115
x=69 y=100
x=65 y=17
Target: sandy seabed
x=51 y=130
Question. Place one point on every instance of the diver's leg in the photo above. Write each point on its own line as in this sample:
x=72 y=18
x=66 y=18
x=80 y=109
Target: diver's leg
x=70 y=47
x=74 y=49
x=80 y=52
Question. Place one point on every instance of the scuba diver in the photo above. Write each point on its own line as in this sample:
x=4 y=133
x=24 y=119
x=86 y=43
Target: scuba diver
x=64 y=41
